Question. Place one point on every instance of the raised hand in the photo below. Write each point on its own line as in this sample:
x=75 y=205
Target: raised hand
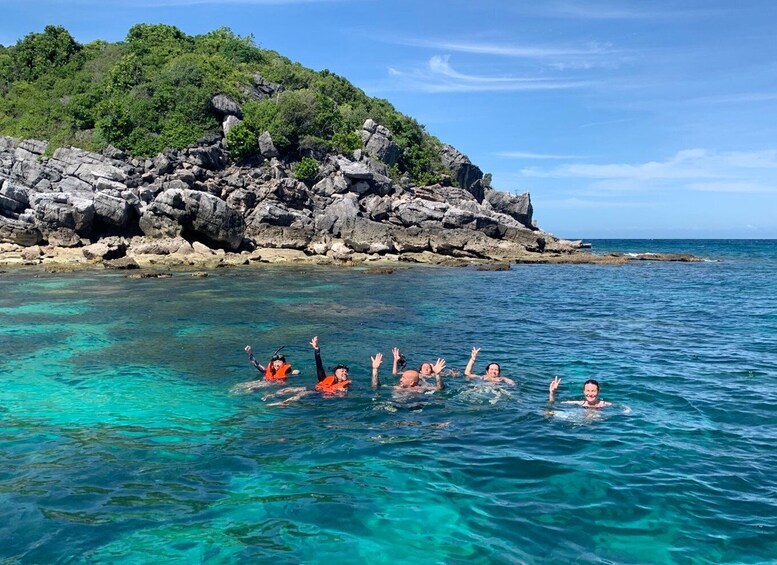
x=475 y=351
x=314 y=342
x=396 y=353
x=439 y=366
x=554 y=384
x=377 y=360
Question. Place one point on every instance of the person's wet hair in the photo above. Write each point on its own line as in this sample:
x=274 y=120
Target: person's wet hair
x=498 y=368
x=341 y=366
x=592 y=382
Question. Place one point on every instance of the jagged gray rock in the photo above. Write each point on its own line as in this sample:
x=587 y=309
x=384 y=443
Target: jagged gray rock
x=261 y=88
x=463 y=170
x=516 y=206
x=266 y=146
x=377 y=142
x=226 y=106
x=175 y=211
x=199 y=196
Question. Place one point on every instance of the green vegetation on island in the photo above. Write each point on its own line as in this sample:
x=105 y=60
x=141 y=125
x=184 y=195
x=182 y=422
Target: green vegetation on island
x=154 y=91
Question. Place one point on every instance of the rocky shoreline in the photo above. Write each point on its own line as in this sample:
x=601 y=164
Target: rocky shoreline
x=177 y=254
x=198 y=208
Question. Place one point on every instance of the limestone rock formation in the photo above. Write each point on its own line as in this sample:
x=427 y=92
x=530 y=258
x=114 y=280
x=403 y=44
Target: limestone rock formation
x=198 y=202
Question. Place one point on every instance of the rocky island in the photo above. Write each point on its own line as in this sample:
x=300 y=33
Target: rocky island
x=183 y=167
x=198 y=207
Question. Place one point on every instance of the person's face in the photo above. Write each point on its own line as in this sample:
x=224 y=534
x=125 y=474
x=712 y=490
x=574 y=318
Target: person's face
x=341 y=374
x=409 y=379
x=591 y=393
x=426 y=369
x=492 y=370
x=277 y=364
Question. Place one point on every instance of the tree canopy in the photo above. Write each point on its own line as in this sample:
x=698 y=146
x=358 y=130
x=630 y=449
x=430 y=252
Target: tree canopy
x=153 y=91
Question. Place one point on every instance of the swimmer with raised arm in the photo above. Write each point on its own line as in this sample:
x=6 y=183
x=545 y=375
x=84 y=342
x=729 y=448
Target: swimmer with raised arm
x=409 y=380
x=334 y=384
x=493 y=370
x=590 y=392
x=338 y=381
x=276 y=370
x=425 y=371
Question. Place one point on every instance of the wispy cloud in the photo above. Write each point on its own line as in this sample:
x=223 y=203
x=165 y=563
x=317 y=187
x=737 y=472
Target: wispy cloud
x=585 y=56
x=439 y=76
x=528 y=155
x=510 y=50
x=690 y=169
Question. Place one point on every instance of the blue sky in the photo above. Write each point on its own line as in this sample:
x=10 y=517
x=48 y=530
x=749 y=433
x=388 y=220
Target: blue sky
x=621 y=118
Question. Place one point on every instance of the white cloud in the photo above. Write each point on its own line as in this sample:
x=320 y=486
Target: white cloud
x=583 y=57
x=511 y=50
x=439 y=76
x=690 y=169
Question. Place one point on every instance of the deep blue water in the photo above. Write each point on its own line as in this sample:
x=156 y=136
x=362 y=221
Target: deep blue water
x=120 y=441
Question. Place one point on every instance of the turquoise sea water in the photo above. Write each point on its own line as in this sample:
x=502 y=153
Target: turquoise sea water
x=121 y=443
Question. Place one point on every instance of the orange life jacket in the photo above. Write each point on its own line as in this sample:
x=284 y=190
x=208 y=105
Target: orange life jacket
x=279 y=375
x=331 y=385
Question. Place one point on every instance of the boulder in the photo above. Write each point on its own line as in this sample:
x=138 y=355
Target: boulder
x=410 y=240
x=280 y=237
x=376 y=207
x=262 y=88
x=103 y=251
x=465 y=173
x=27 y=170
x=355 y=171
x=366 y=236
x=377 y=142
x=274 y=214
x=54 y=210
x=14 y=197
x=419 y=212
x=338 y=215
x=111 y=209
x=266 y=146
x=334 y=184
x=223 y=105
x=19 y=232
x=291 y=192
x=518 y=206
x=175 y=211
x=211 y=157
x=229 y=122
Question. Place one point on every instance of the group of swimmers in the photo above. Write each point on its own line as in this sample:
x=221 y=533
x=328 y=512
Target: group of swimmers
x=428 y=377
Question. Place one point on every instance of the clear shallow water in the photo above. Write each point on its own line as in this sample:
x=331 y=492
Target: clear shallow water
x=120 y=441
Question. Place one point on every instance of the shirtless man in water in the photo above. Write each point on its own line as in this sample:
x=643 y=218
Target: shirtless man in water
x=425 y=371
x=493 y=370
x=409 y=380
x=590 y=392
